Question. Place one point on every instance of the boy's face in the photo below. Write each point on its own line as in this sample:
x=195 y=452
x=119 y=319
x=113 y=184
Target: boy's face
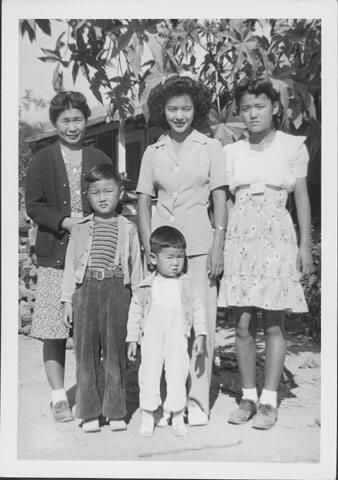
x=103 y=197
x=169 y=261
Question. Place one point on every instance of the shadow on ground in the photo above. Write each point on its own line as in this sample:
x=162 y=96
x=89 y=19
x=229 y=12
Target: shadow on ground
x=225 y=375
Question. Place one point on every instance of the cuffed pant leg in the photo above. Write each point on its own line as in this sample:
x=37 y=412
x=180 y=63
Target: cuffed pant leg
x=87 y=350
x=201 y=368
x=114 y=304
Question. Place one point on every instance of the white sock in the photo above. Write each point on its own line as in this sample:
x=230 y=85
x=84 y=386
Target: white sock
x=250 y=394
x=59 y=396
x=268 y=397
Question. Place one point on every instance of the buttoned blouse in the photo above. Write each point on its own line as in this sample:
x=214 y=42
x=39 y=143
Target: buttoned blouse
x=183 y=184
x=283 y=161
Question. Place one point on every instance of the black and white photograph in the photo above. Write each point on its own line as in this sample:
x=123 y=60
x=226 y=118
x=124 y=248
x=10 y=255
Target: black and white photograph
x=169 y=233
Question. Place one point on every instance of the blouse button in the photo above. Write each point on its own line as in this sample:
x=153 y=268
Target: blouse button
x=58 y=261
x=62 y=243
x=65 y=202
x=64 y=185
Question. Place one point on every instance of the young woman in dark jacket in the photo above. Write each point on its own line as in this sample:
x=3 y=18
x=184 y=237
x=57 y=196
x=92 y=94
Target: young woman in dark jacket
x=56 y=200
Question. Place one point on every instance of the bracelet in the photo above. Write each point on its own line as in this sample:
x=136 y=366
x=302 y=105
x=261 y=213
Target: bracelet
x=219 y=227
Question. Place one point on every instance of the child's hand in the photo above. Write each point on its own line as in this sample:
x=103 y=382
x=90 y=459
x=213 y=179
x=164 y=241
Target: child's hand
x=131 y=353
x=304 y=260
x=68 y=314
x=198 y=346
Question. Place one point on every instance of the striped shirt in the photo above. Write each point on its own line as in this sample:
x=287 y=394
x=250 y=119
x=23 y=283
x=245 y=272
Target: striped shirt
x=103 y=251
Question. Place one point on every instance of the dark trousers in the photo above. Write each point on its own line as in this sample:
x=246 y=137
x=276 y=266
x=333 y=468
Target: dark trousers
x=100 y=329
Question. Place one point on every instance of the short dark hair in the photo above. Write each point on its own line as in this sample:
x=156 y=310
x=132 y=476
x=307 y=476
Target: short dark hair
x=257 y=86
x=66 y=100
x=103 y=171
x=176 y=86
x=165 y=237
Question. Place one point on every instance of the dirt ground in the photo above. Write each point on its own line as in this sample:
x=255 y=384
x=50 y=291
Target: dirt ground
x=295 y=437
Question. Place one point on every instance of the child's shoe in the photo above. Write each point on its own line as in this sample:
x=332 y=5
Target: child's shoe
x=163 y=419
x=117 y=425
x=196 y=416
x=91 y=425
x=245 y=411
x=178 y=425
x=147 y=424
x=266 y=417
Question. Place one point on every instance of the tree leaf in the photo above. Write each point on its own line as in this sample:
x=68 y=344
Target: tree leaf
x=49 y=59
x=50 y=53
x=59 y=44
x=28 y=26
x=75 y=71
x=44 y=25
x=122 y=42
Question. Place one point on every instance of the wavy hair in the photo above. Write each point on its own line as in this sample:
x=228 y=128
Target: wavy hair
x=175 y=86
x=66 y=100
x=257 y=87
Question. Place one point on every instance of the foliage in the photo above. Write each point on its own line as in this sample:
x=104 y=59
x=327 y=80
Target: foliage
x=144 y=52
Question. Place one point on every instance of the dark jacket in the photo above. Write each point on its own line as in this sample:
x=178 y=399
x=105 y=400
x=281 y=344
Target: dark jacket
x=48 y=199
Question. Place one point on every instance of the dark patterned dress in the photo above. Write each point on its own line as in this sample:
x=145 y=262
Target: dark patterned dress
x=47 y=322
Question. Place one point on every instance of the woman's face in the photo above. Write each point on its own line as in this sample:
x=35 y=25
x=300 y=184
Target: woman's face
x=257 y=112
x=70 y=126
x=179 y=113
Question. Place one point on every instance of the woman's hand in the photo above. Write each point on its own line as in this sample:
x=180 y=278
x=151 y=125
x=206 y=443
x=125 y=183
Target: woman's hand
x=68 y=314
x=215 y=261
x=68 y=223
x=304 y=260
x=131 y=352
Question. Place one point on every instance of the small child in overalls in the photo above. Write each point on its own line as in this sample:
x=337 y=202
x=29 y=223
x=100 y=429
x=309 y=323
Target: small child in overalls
x=161 y=315
x=102 y=261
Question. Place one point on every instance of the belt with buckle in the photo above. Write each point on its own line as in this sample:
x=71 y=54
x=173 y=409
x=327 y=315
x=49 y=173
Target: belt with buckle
x=101 y=273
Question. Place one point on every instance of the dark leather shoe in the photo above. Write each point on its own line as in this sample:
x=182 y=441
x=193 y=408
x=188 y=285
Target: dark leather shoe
x=246 y=410
x=266 y=417
x=61 y=412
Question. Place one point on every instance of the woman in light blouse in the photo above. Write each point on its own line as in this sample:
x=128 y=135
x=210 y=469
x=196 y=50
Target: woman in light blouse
x=182 y=168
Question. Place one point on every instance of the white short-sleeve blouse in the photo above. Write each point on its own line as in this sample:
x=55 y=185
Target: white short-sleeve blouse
x=283 y=161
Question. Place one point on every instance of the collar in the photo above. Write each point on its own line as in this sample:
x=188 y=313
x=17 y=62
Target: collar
x=90 y=218
x=194 y=137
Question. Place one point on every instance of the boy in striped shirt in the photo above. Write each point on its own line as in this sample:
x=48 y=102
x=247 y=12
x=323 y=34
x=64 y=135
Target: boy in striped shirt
x=102 y=266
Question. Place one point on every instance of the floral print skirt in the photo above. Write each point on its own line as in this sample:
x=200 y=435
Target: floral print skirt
x=47 y=321
x=260 y=255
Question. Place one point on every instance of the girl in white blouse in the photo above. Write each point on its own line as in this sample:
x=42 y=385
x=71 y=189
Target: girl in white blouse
x=263 y=264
